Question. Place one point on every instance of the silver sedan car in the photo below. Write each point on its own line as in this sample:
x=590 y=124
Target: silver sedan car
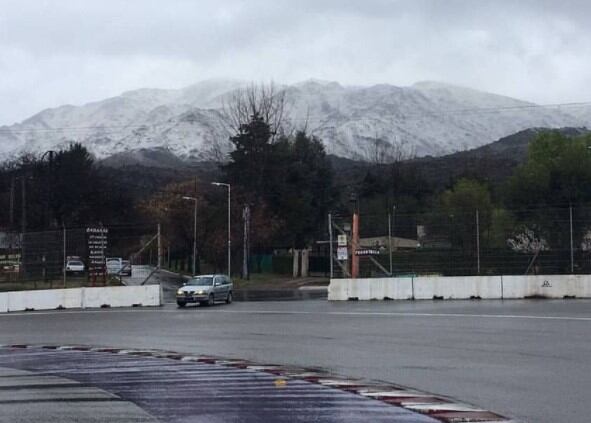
x=205 y=290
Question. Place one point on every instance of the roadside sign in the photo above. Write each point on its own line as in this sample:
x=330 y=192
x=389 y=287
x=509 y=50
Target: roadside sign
x=97 y=245
x=342 y=253
x=367 y=252
x=342 y=240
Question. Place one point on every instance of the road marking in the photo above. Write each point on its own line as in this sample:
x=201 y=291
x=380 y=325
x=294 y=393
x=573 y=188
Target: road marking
x=314 y=313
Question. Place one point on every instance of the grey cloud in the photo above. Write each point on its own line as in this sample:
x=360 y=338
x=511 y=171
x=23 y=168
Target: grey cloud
x=74 y=51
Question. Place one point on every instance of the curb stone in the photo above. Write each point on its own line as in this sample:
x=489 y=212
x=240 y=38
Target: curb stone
x=435 y=406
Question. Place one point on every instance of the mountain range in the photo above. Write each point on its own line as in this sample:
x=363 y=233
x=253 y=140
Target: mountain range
x=425 y=119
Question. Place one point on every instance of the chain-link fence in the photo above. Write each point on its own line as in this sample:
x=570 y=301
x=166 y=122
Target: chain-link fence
x=466 y=242
x=73 y=257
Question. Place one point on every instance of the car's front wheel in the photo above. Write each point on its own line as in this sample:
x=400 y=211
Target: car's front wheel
x=181 y=304
x=229 y=298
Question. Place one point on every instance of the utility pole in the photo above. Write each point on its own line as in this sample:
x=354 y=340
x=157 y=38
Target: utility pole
x=194 y=199
x=11 y=217
x=355 y=238
x=572 y=251
x=390 y=240
x=478 y=240
x=65 y=252
x=159 y=248
x=221 y=184
x=394 y=227
x=330 y=244
x=246 y=242
x=48 y=215
x=23 y=221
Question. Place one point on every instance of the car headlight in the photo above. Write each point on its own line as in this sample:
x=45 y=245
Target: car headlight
x=200 y=292
x=180 y=292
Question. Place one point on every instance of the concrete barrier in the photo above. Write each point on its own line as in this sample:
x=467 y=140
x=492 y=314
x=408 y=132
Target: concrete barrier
x=370 y=289
x=547 y=286
x=457 y=287
x=3 y=302
x=121 y=296
x=51 y=299
x=465 y=287
x=46 y=299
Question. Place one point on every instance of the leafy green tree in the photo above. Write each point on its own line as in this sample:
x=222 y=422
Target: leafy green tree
x=557 y=172
x=556 y=175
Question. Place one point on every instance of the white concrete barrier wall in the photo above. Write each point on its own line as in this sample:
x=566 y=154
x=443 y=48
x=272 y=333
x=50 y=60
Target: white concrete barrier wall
x=548 y=286
x=45 y=299
x=465 y=287
x=121 y=296
x=50 y=299
x=457 y=287
x=370 y=289
x=3 y=302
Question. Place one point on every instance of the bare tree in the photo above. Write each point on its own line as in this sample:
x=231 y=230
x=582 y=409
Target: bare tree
x=263 y=100
x=381 y=151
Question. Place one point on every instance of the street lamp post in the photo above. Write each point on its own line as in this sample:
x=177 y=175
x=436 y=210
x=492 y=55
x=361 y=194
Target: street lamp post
x=221 y=184
x=194 y=232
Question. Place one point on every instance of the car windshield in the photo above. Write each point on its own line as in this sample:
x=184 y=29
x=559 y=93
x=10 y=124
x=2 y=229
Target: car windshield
x=75 y=263
x=202 y=281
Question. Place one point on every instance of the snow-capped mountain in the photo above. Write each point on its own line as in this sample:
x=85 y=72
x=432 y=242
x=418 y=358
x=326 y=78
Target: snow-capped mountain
x=427 y=118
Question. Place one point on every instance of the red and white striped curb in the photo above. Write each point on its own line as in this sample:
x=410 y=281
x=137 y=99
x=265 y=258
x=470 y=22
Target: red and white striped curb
x=438 y=407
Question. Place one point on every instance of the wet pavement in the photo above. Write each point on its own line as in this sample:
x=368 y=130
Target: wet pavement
x=46 y=385
x=528 y=360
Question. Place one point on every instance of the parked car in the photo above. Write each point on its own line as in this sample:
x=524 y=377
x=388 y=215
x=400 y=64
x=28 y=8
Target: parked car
x=11 y=267
x=205 y=290
x=125 y=268
x=114 y=265
x=75 y=266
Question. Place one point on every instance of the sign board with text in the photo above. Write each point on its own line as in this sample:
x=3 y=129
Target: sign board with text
x=342 y=253
x=367 y=252
x=97 y=240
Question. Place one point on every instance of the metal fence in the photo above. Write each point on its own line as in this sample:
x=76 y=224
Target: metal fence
x=467 y=242
x=73 y=257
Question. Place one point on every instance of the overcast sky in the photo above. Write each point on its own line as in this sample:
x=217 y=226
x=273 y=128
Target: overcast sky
x=58 y=51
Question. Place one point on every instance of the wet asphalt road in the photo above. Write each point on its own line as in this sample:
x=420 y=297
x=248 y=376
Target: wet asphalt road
x=93 y=387
x=529 y=360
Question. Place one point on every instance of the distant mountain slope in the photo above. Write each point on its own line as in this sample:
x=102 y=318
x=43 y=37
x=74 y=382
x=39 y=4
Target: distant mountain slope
x=494 y=162
x=427 y=118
